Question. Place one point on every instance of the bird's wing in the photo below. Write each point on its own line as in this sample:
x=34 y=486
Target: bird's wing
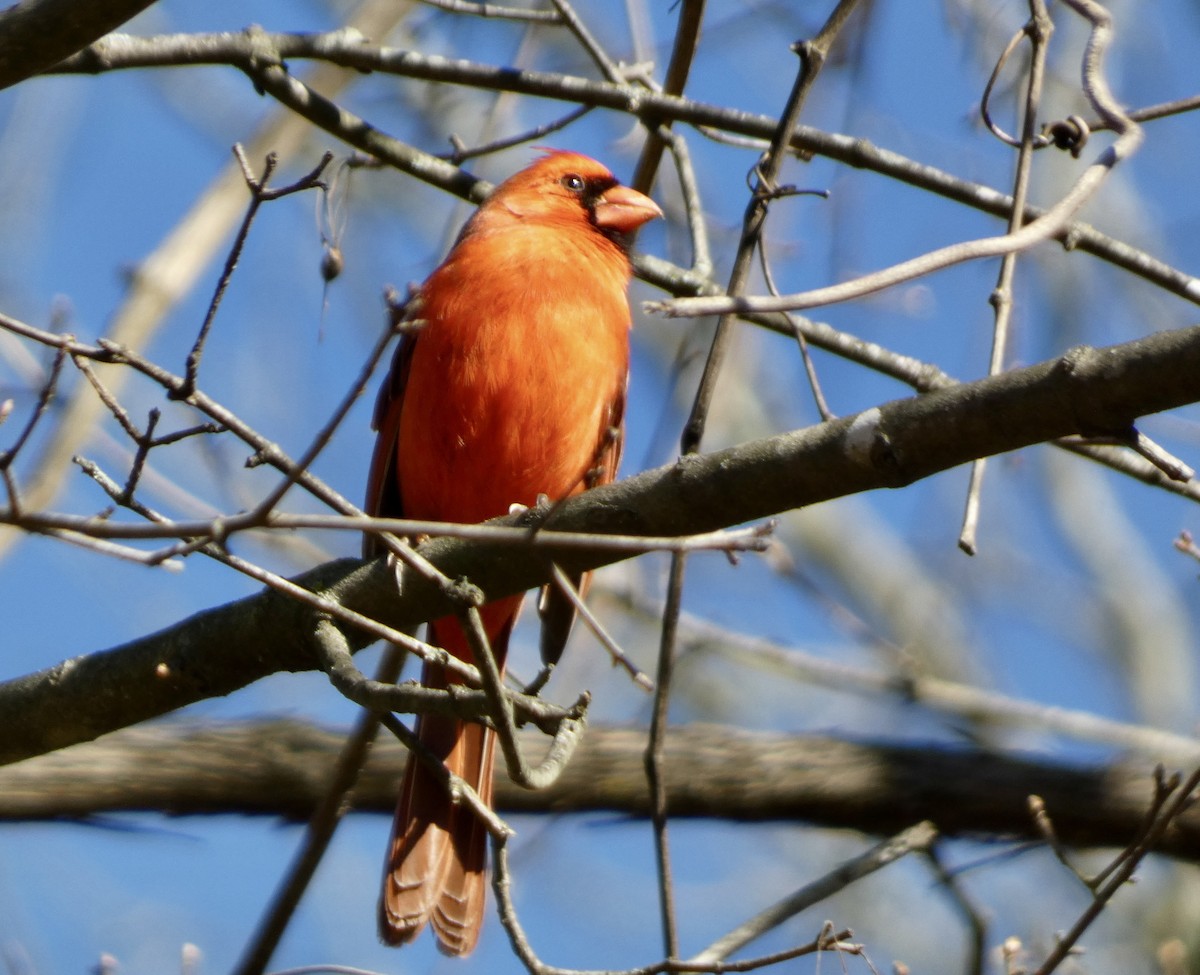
x=556 y=609
x=383 y=482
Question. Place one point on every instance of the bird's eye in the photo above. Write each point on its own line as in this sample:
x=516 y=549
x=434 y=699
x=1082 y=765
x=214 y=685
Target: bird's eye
x=573 y=182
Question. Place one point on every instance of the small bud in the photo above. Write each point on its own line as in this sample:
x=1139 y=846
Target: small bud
x=332 y=263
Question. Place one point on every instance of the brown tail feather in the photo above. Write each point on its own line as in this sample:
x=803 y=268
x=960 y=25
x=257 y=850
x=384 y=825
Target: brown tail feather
x=436 y=867
x=458 y=912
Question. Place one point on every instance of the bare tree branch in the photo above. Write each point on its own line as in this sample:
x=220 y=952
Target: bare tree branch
x=253 y=49
x=36 y=34
x=281 y=768
x=215 y=652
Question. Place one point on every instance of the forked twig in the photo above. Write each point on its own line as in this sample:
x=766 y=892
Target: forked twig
x=1171 y=797
x=918 y=838
x=45 y=397
x=827 y=940
x=259 y=194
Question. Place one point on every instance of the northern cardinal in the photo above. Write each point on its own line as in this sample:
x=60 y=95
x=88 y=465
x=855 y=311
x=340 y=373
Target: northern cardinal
x=513 y=387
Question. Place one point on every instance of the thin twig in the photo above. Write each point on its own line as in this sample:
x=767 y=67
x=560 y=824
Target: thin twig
x=112 y=549
x=1038 y=30
x=971 y=915
x=1170 y=799
x=827 y=940
x=656 y=753
x=119 y=413
x=918 y=838
x=1045 y=827
x=619 y=657
x=1161 y=458
x=319 y=831
x=755 y=539
x=810 y=370
x=457 y=788
x=683 y=54
x=693 y=204
x=462 y=153
x=500 y=708
x=574 y=23
x=325 y=434
x=494 y=10
x=45 y=397
x=766 y=172
x=259 y=194
x=211 y=546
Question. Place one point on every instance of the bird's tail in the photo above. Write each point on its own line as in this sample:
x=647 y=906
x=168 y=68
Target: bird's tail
x=436 y=867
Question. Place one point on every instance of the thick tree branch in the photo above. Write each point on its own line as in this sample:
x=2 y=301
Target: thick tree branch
x=36 y=34
x=255 y=51
x=280 y=768
x=1088 y=391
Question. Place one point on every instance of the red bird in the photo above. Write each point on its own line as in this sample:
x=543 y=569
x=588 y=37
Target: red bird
x=514 y=387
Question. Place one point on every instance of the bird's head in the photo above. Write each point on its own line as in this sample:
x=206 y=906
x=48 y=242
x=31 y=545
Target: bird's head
x=569 y=188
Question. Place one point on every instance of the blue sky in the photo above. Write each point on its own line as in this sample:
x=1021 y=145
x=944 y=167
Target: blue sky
x=97 y=171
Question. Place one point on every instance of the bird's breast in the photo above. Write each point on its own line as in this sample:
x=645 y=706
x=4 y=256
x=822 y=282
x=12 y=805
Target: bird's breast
x=513 y=378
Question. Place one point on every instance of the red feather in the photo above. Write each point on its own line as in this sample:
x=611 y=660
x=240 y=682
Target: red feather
x=514 y=387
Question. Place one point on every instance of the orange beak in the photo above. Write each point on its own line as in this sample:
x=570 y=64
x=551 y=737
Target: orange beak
x=623 y=210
